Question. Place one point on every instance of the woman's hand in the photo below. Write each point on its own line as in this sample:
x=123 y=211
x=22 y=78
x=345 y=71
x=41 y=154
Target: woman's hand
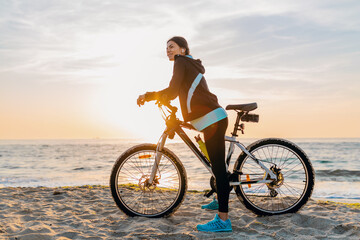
x=141 y=100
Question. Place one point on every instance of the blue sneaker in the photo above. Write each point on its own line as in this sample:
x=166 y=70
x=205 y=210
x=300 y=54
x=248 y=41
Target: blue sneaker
x=216 y=225
x=214 y=205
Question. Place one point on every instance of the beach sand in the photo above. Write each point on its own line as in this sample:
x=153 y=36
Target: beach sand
x=89 y=212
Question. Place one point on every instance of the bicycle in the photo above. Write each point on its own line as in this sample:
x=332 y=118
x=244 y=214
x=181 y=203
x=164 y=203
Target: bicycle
x=271 y=176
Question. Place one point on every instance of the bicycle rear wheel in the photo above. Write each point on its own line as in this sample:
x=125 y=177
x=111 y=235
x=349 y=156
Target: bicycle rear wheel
x=294 y=171
x=132 y=191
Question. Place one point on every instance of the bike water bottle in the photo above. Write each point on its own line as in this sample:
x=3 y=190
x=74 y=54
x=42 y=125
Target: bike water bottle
x=202 y=146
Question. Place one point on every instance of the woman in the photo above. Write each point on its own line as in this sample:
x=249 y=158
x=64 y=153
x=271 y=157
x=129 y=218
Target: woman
x=201 y=108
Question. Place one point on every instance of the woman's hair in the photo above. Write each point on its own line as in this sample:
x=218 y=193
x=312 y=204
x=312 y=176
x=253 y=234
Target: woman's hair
x=181 y=42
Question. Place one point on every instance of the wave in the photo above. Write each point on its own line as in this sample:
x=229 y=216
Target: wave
x=341 y=197
x=338 y=173
x=336 y=197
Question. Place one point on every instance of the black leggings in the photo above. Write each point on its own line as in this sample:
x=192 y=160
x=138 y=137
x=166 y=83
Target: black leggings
x=215 y=144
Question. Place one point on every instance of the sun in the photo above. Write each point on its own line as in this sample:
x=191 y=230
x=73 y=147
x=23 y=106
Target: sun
x=117 y=109
x=134 y=68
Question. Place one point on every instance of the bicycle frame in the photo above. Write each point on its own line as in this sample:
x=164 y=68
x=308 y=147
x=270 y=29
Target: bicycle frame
x=180 y=132
x=234 y=142
x=149 y=180
x=173 y=125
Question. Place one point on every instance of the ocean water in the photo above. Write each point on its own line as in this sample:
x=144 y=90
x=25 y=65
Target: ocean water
x=52 y=163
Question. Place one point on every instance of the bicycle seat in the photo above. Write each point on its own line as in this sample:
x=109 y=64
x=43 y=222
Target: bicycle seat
x=243 y=107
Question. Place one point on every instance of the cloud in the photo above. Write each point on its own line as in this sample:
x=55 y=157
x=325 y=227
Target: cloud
x=286 y=45
x=299 y=50
x=98 y=55
x=86 y=38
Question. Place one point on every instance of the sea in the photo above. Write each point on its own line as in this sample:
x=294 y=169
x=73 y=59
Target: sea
x=77 y=162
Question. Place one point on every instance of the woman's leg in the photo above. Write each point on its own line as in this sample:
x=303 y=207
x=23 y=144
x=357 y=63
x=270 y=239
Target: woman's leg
x=215 y=144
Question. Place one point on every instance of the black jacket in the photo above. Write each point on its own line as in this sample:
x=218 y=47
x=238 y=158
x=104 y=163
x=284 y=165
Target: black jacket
x=190 y=85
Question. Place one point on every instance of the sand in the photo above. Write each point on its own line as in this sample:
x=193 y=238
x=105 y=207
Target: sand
x=89 y=212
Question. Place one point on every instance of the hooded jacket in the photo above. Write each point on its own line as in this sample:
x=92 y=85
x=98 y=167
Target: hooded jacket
x=190 y=85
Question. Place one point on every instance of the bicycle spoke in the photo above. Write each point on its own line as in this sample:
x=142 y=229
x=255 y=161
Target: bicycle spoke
x=134 y=165
x=283 y=193
x=282 y=155
x=277 y=154
x=249 y=170
x=283 y=166
x=252 y=163
x=137 y=164
x=292 y=190
x=290 y=172
x=130 y=174
x=143 y=198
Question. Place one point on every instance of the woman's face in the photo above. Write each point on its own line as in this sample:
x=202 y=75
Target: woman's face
x=173 y=49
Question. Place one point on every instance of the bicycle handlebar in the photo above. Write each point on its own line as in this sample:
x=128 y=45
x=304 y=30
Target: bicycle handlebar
x=167 y=104
x=172 y=116
x=164 y=101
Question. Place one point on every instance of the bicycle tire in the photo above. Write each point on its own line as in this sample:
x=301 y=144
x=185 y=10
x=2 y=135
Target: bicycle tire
x=264 y=201
x=128 y=178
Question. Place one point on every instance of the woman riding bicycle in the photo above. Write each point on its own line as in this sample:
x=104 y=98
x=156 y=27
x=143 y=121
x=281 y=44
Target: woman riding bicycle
x=201 y=108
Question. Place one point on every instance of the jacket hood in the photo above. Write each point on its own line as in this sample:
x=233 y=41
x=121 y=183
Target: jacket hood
x=196 y=62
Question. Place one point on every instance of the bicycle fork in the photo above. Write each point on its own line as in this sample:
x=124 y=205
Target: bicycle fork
x=158 y=155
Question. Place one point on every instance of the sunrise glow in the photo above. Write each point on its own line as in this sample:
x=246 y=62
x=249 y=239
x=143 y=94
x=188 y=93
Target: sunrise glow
x=75 y=70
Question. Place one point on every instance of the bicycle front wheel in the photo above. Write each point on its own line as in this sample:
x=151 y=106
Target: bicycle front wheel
x=295 y=177
x=132 y=191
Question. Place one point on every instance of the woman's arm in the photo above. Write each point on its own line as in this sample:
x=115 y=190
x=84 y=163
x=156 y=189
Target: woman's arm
x=172 y=91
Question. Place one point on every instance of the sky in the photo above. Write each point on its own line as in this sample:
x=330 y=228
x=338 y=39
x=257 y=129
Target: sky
x=74 y=69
